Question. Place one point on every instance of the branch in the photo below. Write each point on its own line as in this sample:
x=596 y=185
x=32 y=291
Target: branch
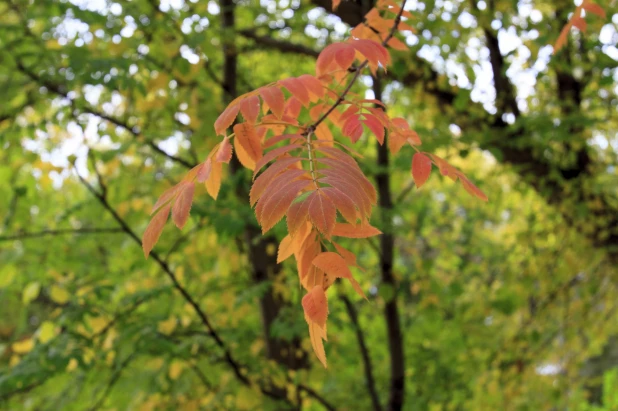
x=44 y=233
x=357 y=74
x=56 y=89
x=371 y=384
x=115 y=377
x=227 y=355
x=281 y=45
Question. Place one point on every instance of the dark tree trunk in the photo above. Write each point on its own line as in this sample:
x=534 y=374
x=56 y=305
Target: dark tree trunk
x=262 y=259
x=387 y=253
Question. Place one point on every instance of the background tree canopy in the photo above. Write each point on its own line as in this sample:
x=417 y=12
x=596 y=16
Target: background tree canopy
x=509 y=304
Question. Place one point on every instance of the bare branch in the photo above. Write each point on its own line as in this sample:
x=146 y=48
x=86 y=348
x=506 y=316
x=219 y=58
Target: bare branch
x=70 y=231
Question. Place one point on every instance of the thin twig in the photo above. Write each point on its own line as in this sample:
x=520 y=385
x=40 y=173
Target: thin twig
x=357 y=73
x=360 y=337
x=44 y=233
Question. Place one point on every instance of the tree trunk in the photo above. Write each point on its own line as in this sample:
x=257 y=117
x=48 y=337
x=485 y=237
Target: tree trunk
x=262 y=258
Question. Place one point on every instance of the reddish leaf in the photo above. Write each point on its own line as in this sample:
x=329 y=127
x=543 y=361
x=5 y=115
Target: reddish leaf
x=182 y=205
x=322 y=212
x=154 y=229
x=335 y=5
x=293 y=107
x=312 y=84
x=315 y=305
x=274 y=99
x=248 y=139
x=167 y=195
x=334 y=264
x=375 y=126
x=272 y=208
x=297 y=215
x=267 y=178
x=250 y=108
x=204 y=172
x=350 y=231
x=343 y=202
x=226 y=118
x=594 y=8
x=472 y=189
x=274 y=153
x=580 y=23
x=353 y=129
x=298 y=90
x=224 y=154
x=421 y=168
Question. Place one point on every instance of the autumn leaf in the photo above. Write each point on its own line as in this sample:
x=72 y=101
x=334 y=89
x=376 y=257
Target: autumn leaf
x=182 y=205
x=334 y=264
x=224 y=154
x=421 y=168
x=351 y=231
x=154 y=229
x=316 y=306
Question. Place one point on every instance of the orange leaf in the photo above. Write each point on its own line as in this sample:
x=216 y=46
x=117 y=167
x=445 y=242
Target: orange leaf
x=421 y=168
x=293 y=107
x=297 y=215
x=286 y=249
x=316 y=306
x=347 y=255
x=213 y=184
x=343 y=202
x=274 y=99
x=204 y=172
x=182 y=205
x=472 y=189
x=397 y=44
x=250 y=108
x=224 y=154
x=248 y=139
x=272 y=208
x=154 y=229
x=335 y=5
x=298 y=90
x=226 y=118
x=243 y=156
x=312 y=84
x=351 y=231
x=334 y=264
x=322 y=212
x=273 y=180
x=167 y=195
x=315 y=334
x=594 y=8
x=375 y=126
x=274 y=153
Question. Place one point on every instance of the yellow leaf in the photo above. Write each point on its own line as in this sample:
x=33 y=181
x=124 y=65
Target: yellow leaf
x=72 y=365
x=47 y=331
x=59 y=295
x=175 y=369
x=24 y=346
x=168 y=326
x=7 y=275
x=31 y=292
